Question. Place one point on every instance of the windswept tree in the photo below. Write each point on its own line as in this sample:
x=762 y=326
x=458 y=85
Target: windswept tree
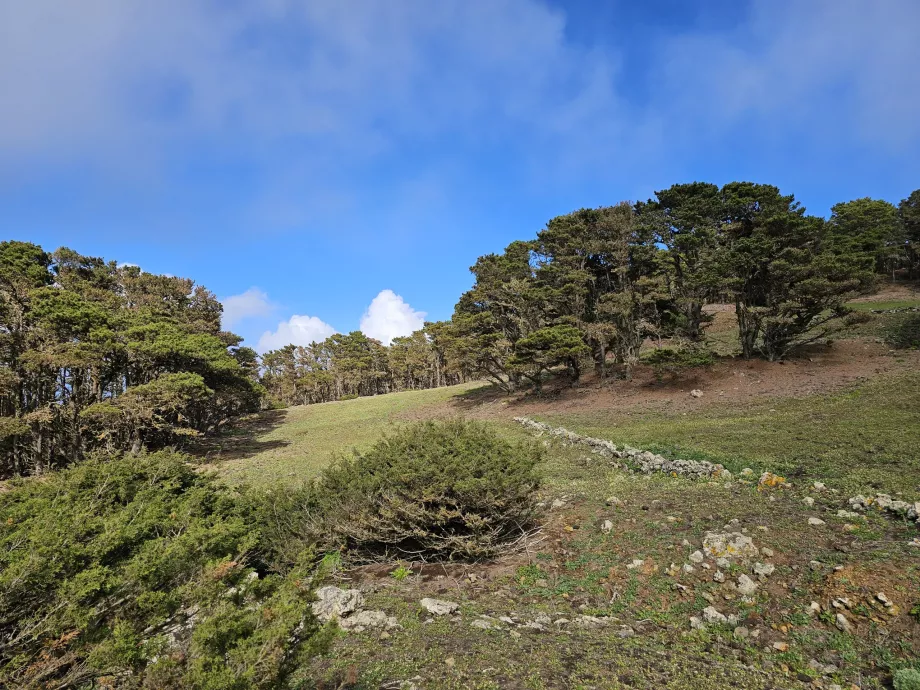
x=686 y=220
x=909 y=215
x=789 y=285
x=93 y=354
x=871 y=227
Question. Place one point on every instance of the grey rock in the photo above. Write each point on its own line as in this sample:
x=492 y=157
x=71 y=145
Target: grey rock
x=746 y=586
x=764 y=569
x=439 y=607
x=362 y=620
x=332 y=603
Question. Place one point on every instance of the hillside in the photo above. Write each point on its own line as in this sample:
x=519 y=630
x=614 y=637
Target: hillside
x=617 y=581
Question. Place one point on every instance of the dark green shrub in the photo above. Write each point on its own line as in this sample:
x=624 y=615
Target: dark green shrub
x=349 y=396
x=668 y=360
x=442 y=490
x=135 y=568
x=904 y=333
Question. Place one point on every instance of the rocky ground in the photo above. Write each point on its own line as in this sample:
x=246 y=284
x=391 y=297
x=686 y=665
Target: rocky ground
x=647 y=576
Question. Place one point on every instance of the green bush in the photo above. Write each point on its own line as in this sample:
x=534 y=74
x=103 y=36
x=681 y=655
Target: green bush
x=907 y=679
x=442 y=490
x=135 y=568
x=672 y=360
x=904 y=333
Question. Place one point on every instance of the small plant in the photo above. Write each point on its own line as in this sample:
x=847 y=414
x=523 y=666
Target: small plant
x=904 y=333
x=907 y=679
x=350 y=396
x=400 y=573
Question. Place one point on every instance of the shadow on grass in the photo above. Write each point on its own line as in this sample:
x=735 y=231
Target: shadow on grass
x=241 y=438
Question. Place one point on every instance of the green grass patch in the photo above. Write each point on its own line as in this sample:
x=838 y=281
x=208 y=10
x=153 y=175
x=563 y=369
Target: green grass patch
x=864 y=438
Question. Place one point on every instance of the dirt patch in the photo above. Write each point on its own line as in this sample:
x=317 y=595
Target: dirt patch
x=821 y=369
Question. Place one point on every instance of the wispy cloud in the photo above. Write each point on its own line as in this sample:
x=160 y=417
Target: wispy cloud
x=253 y=303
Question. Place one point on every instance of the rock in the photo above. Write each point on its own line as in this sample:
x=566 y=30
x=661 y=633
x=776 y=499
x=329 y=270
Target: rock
x=819 y=486
x=815 y=565
x=843 y=624
x=816 y=522
x=590 y=622
x=439 y=607
x=614 y=501
x=728 y=545
x=687 y=568
x=508 y=620
x=767 y=552
x=884 y=599
x=557 y=504
x=718 y=576
x=823 y=669
x=723 y=562
x=360 y=621
x=606 y=526
x=841 y=603
x=696 y=557
x=741 y=632
x=332 y=603
x=770 y=480
x=712 y=615
x=696 y=393
x=747 y=472
x=637 y=563
x=697 y=623
x=482 y=623
x=764 y=569
x=559 y=622
x=625 y=632
x=809 y=501
x=541 y=583
x=780 y=646
x=746 y=586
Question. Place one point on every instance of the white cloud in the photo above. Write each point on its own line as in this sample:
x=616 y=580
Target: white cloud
x=253 y=302
x=389 y=316
x=298 y=330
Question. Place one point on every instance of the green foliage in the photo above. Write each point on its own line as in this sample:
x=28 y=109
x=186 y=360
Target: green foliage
x=400 y=573
x=547 y=347
x=907 y=679
x=904 y=331
x=444 y=490
x=868 y=226
x=94 y=355
x=673 y=360
x=136 y=567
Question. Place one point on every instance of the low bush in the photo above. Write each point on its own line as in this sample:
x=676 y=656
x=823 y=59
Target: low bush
x=904 y=332
x=907 y=679
x=133 y=571
x=435 y=490
x=668 y=360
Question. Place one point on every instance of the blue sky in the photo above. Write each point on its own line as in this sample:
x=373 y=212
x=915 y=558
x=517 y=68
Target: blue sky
x=334 y=165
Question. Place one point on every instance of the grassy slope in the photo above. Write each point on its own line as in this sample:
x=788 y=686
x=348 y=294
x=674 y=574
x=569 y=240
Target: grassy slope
x=861 y=439
x=864 y=438
x=299 y=441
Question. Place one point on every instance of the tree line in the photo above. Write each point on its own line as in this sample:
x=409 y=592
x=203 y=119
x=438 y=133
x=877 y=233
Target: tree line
x=99 y=356
x=595 y=284
x=94 y=355
x=350 y=365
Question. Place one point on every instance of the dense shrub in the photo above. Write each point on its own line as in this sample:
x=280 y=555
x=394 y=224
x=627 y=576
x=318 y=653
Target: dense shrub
x=135 y=568
x=907 y=679
x=904 y=333
x=442 y=490
x=667 y=360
